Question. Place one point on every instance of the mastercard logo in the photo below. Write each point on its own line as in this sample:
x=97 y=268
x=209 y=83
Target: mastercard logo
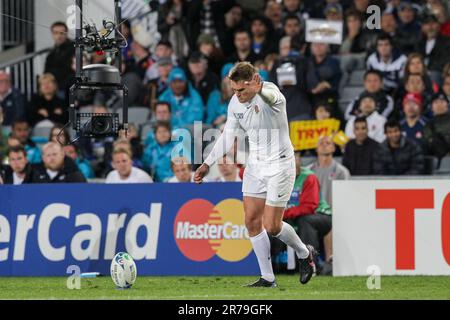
x=203 y=230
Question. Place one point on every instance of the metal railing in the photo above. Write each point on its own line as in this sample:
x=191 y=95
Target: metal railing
x=22 y=71
x=16 y=23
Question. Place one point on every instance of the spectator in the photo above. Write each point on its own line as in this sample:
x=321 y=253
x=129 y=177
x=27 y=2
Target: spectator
x=408 y=23
x=56 y=167
x=182 y=170
x=295 y=7
x=72 y=151
x=163 y=50
x=157 y=155
x=292 y=28
x=203 y=17
x=437 y=130
x=185 y=102
x=229 y=171
x=322 y=111
x=218 y=104
x=373 y=85
x=326 y=168
x=359 y=152
x=333 y=12
x=405 y=42
x=172 y=25
x=3 y=139
x=60 y=135
x=59 y=60
x=446 y=86
x=12 y=102
x=160 y=84
x=375 y=121
x=356 y=39
x=414 y=84
x=387 y=60
x=416 y=65
x=328 y=72
x=141 y=53
x=434 y=47
x=243 y=45
x=296 y=77
x=273 y=12
x=20 y=130
x=202 y=79
x=309 y=212
x=162 y=113
x=231 y=22
x=439 y=10
x=19 y=170
x=413 y=123
x=124 y=172
x=398 y=155
x=263 y=37
x=214 y=56
x=47 y=105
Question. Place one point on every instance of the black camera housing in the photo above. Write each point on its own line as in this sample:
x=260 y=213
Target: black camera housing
x=98 y=125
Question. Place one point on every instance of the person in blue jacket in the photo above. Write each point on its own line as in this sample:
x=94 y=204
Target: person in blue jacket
x=185 y=102
x=157 y=155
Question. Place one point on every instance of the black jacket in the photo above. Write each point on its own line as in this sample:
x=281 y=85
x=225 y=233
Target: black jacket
x=59 y=63
x=14 y=107
x=8 y=178
x=437 y=135
x=39 y=102
x=408 y=159
x=359 y=159
x=439 y=56
x=68 y=174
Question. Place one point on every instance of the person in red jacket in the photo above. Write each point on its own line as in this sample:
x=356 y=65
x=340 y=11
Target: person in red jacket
x=310 y=214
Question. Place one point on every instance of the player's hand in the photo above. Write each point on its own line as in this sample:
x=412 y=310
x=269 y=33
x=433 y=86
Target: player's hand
x=201 y=173
x=255 y=84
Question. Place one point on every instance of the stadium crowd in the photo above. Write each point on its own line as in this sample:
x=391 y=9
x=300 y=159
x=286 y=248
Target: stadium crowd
x=396 y=124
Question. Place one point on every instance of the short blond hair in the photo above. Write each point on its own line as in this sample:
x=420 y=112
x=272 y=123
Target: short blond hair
x=49 y=77
x=180 y=160
x=121 y=150
x=242 y=71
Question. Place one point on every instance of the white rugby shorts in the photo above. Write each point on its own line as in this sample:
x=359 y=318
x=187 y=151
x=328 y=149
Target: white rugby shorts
x=271 y=181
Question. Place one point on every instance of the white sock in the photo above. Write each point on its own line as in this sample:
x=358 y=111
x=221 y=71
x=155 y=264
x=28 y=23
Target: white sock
x=261 y=246
x=291 y=238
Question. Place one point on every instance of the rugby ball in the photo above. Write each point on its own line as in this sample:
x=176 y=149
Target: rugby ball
x=123 y=270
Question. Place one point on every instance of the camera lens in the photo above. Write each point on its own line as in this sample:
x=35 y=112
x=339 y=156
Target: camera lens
x=101 y=125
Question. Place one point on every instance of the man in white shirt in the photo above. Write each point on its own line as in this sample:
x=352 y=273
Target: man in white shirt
x=182 y=170
x=258 y=109
x=229 y=172
x=124 y=171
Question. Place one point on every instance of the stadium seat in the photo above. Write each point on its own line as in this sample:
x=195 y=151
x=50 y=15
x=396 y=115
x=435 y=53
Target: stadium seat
x=42 y=129
x=356 y=78
x=350 y=93
x=444 y=166
x=343 y=104
x=137 y=115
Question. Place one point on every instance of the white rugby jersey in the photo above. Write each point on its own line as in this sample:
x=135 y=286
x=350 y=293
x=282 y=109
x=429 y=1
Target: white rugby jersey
x=264 y=120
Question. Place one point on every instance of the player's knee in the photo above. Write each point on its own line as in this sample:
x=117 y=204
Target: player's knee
x=253 y=224
x=273 y=228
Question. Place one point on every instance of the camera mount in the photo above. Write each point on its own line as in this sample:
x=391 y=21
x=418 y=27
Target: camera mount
x=97 y=76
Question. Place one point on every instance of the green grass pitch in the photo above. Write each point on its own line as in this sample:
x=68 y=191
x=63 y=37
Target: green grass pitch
x=229 y=288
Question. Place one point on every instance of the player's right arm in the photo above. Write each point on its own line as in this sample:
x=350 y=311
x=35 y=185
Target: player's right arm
x=224 y=144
